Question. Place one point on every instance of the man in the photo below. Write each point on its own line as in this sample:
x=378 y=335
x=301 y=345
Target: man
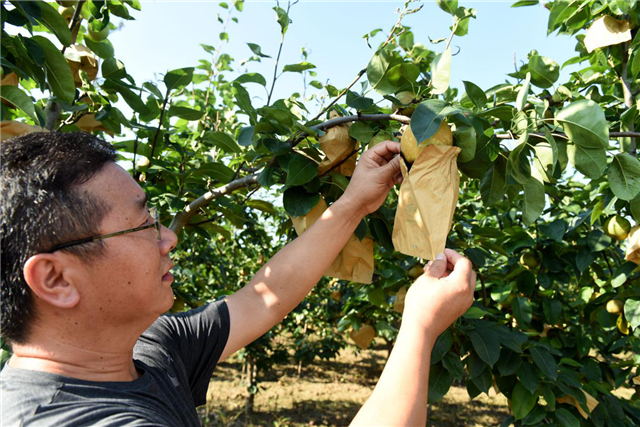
x=86 y=280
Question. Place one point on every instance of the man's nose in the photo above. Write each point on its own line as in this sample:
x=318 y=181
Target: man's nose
x=169 y=240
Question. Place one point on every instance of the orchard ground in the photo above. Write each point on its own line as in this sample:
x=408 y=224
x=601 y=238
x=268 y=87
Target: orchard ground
x=330 y=393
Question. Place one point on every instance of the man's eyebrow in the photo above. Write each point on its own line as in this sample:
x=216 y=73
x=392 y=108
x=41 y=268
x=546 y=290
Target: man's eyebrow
x=142 y=203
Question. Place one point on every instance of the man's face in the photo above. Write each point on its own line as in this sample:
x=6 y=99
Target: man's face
x=130 y=282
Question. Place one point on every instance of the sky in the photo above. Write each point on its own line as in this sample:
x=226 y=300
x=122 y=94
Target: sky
x=167 y=35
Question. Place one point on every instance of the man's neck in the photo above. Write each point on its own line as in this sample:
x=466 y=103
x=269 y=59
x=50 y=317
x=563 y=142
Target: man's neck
x=100 y=362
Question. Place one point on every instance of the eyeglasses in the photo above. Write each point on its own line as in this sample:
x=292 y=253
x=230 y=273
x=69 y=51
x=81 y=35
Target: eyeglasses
x=153 y=212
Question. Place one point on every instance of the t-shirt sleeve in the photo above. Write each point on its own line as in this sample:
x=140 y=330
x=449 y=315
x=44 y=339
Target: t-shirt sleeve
x=197 y=338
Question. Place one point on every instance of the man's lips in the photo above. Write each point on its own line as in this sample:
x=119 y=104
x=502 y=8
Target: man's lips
x=168 y=275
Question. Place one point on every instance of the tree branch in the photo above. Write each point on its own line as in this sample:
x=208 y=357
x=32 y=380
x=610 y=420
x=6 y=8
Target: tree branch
x=182 y=218
x=563 y=135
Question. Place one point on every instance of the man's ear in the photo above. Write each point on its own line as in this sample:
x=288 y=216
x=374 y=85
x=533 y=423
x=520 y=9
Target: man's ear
x=48 y=277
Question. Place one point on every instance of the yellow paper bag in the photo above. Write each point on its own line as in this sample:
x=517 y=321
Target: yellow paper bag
x=633 y=245
x=427 y=201
x=336 y=144
x=355 y=260
x=10 y=129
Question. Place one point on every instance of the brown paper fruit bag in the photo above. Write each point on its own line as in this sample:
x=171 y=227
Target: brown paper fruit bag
x=427 y=201
x=633 y=245
x=355 y=260
x=336 y=144
x=363 y=336
x=10 y=129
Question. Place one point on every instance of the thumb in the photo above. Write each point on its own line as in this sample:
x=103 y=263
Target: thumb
x=393 y=167
x=438 y=267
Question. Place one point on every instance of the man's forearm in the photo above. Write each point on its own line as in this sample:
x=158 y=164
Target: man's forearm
x=291 y=274
x=400 y=397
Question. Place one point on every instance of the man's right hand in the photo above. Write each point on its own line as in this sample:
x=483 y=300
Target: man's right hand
x=442 y=294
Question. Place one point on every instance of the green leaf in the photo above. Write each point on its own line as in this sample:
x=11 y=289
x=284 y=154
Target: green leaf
x=492 y=187
x=51 y=19
x=448 y=6
x=104 y=48
x=622 y=273
x=632 y=312
x=428 y=116
x=299 y=67
x=552 y=309
x=533 y=203
x=522 y=310
x=453 y=364
x=522 y=401
x=584 y=123
x=113 y=69
x=518 y=165
x=598 y=241
x=440 y=381
x=223 y=142
x=591 y=162
x=521 y=100
x=283 y=19
x=509 y=363
x=297 y=202
x=566 y=418
x=624 y=176
x=465 y=138
x=528 y=376
x=269 y=176
x=377 y=70
x=300 y=170
x=177 y=79
x=546 y=157
x=185 y=113
x=21 y=100
x=545 y=361
x=487 y=344
x=544 y=71
x=522 y=3
x=361 y=131
x=475 y=94
x=256 y=49
x=245 y=137
x=252 y=78
x=358 y=101
x=216 y=171
x=441 y=346
x=130 y=97
x=441 y=72
x=244 y=101
x=59 y=74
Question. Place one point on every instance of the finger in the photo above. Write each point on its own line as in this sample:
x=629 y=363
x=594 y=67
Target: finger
x=392 y=168
x=387 y=149
x=461 y=265
x=438 y=266
x=473 y=281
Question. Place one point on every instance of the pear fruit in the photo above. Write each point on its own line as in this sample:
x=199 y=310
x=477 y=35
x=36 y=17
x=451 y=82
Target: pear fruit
x=411 y=149
x=529 y=260
x=617 y=227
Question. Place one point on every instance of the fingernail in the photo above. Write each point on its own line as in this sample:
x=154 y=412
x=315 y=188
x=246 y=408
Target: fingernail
x=441 y=255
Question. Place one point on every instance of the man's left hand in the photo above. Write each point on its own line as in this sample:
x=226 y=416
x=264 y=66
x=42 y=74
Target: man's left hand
x=378 y=170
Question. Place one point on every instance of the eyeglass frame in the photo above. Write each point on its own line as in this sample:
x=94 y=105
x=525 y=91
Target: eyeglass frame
x=153 y=212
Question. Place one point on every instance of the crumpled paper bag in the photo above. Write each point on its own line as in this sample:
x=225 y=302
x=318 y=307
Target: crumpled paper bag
x=426 y=203
x=10 y=129
x=336 y=144
x=633 y=245
x=355 y=260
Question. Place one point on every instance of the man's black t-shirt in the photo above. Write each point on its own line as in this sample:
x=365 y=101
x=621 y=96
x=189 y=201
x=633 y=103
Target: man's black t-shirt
x=176 y=357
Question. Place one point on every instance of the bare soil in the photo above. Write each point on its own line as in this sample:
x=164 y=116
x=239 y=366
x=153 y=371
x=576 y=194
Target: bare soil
x=329 y=393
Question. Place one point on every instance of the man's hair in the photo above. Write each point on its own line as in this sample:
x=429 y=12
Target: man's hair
x=41 y=206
